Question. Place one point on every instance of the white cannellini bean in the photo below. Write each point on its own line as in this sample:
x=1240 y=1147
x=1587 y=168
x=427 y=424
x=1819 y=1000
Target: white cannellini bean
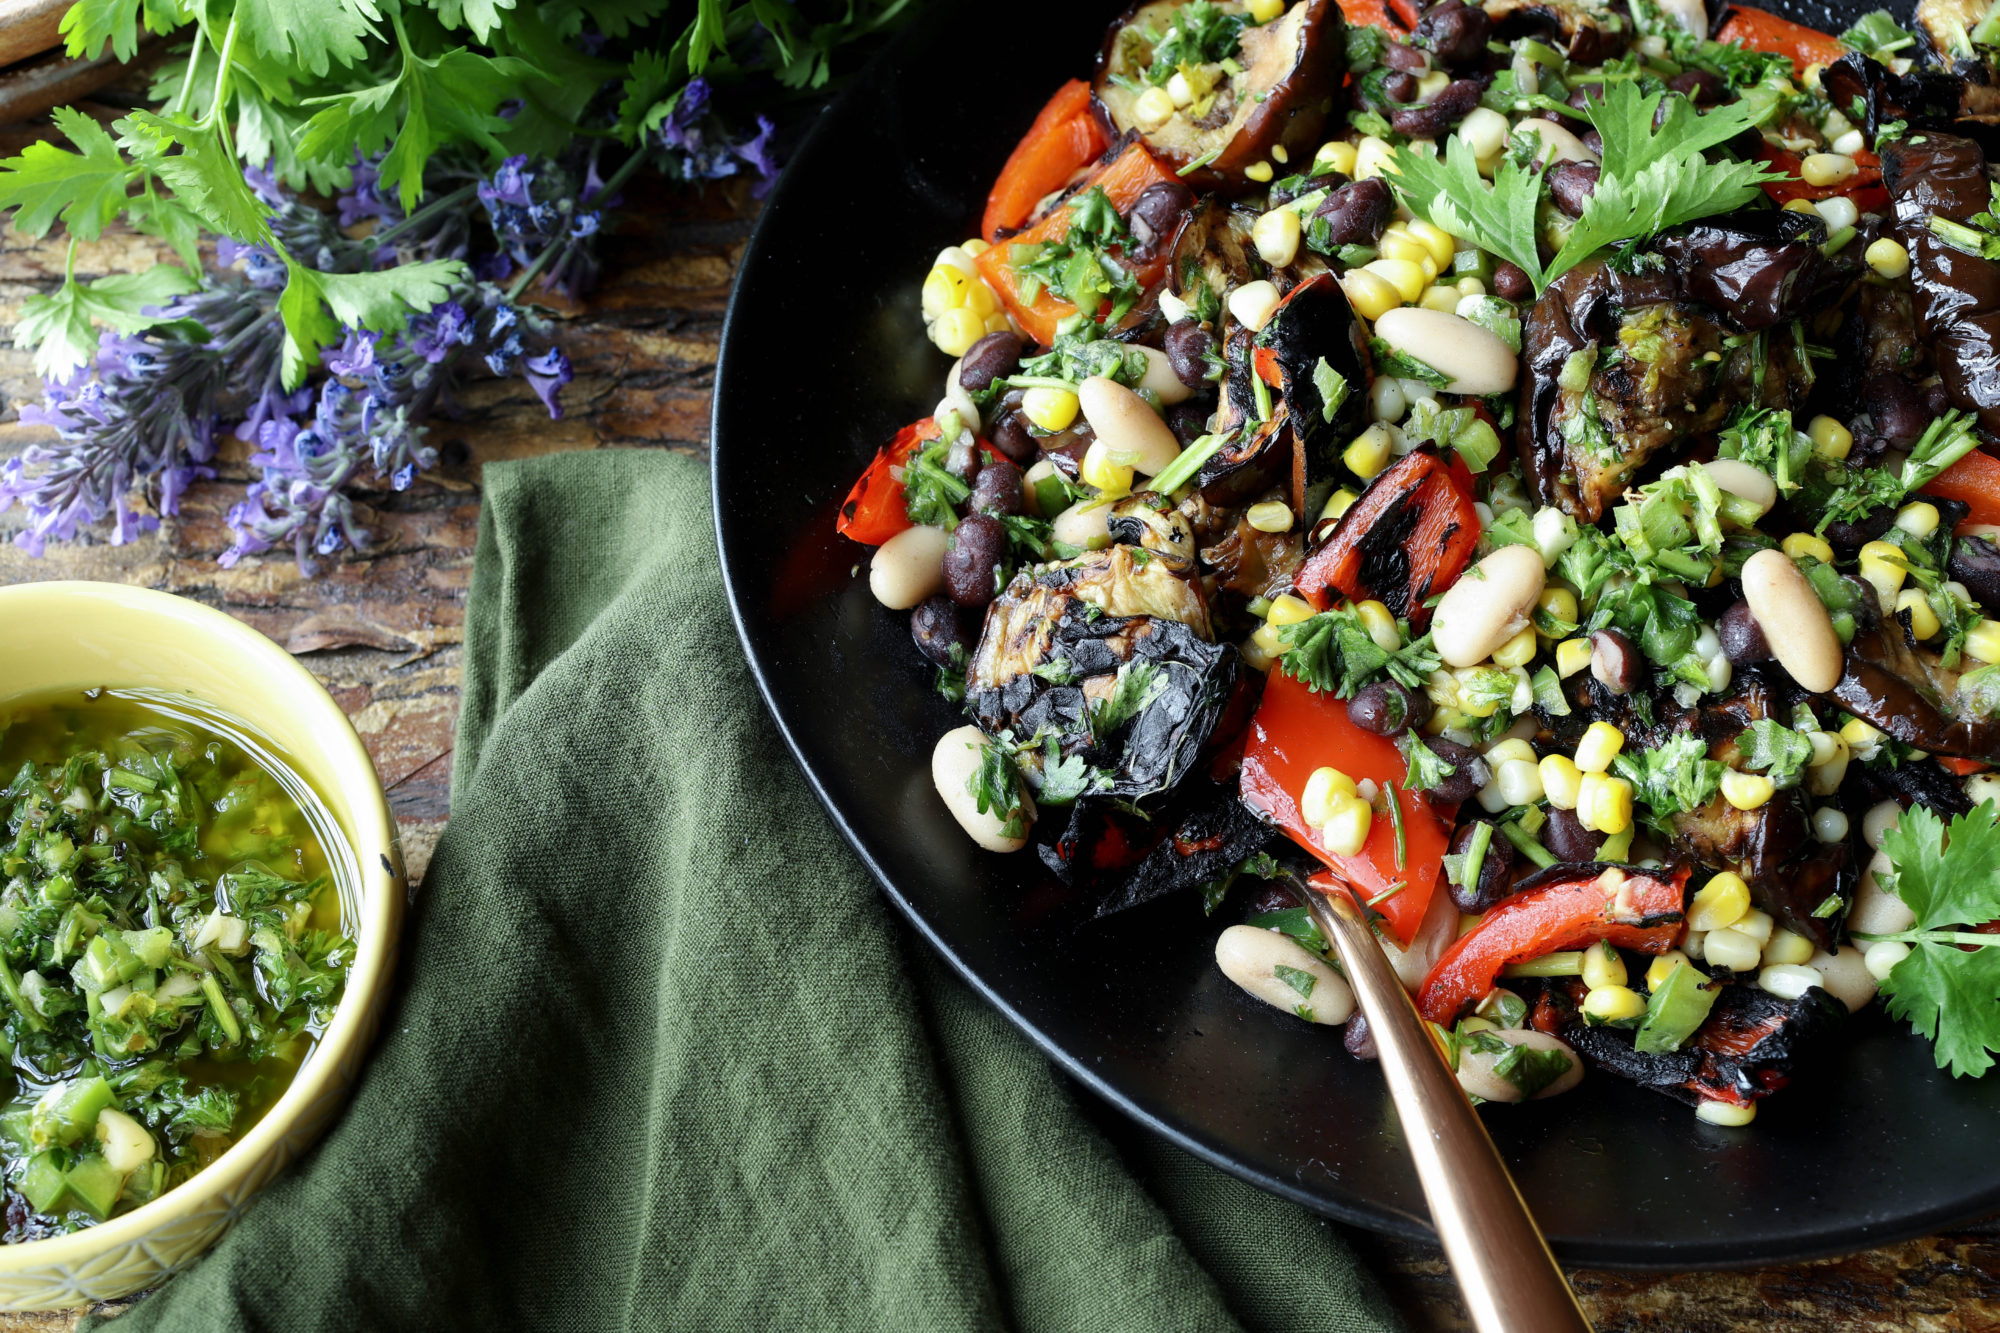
x=1251 y=304
x=1159 y=378
x=1793 y=619
x=1982 y=787
x=1087 y=524
x=1877 y=911
x=1881 y=817
x=1845 y=975
x=1488 y=605
x=1484 y=131
x=1475 y=1068
x=1127 y=425
x=956 y=399
x=1788 y=981
x=1558 y=144
x=953 y=762
x=1474 y=360
x=908 y=567
x=1739 y=478
x=1250 y=957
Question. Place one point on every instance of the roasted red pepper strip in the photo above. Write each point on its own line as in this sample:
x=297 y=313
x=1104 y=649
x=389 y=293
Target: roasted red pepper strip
x=1123 y=180
x=874 y=510
x=1975 y=479
x=1064 y=139
x=1761 y=30
x=1296 y=731
x=1409 y=536
x=1864 y=187
x=1563 y=907
x=1406 y=11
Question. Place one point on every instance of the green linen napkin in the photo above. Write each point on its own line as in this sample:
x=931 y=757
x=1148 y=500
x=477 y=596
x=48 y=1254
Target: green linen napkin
x=662 y=1058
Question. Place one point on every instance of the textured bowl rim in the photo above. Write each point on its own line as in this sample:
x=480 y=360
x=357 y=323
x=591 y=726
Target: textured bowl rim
x=380 y=913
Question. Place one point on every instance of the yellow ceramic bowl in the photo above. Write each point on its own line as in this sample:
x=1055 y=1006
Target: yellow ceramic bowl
x=56 y=636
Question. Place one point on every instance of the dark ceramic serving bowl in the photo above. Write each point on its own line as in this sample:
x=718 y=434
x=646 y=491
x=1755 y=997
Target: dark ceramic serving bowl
x=823 y=358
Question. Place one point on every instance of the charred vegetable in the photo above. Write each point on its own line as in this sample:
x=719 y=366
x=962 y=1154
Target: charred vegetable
x=1410 y=535
x=1315 y=352
x=1939 y=185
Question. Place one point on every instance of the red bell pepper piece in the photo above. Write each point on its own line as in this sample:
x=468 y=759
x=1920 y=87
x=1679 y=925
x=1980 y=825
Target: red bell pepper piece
x=874 y=510
x=1439 y=541
x=1408 y=11
x=1864 y=187
x=1374 y=14
x=1975 y=479
x=1296 y=731
x=1761 y=30
x=1963 y=768
x=1563 y=907
x=1064 y=139
x=1123 y=180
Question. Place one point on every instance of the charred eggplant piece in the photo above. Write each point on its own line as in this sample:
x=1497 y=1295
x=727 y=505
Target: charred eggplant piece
x=1253 y=563
x=1912 y=697
x=1315 y=324
x=1279 y=98
x=1589 y=34
x=1747 y=1050
x=1925 y=98
x=1149 y=522
x=1760 y=269
x=1214 y=252
x=1412 y=532
x=1213 y=839
x=1957 y=294
x=1249 y=465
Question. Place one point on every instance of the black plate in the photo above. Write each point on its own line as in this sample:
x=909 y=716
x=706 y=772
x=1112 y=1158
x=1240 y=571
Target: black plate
x=823 y=358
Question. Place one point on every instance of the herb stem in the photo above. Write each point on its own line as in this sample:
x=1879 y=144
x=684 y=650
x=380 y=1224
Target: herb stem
x=1931 y=937
x=1525 y=842
x=549 y=252
x=222 y=79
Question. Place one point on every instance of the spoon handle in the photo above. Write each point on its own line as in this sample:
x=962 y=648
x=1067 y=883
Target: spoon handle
x=1509 y=1279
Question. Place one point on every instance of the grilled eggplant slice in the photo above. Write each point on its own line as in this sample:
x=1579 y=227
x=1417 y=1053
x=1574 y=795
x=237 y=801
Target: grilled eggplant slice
x=1589 y=34
x=1250 y=465
x=1912 y=697
x=1288 y=66
x=1314 y=324
x=1957 y=294
x=1412 y=532
x=1216 y=836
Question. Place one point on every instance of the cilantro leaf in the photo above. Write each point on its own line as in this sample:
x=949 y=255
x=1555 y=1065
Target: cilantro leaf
x=60 y=329
x=1531 y=1068
x=1136 y=686
x=85 y=189
x=1426 y=768
x=204 y=175
x=1948 y=996
x=1063 y=780
x=482 y=17
x=315 y=34
x=1775 y=749
x=381 y=303
x=931 y=493
x=1672 y=778
x=995 y=786
x=1295 y=922
x=1332 y=386
x=1945 y=875
x=89 y=24
x=1297 y=978
x=1449 y=192
x=1664 y=194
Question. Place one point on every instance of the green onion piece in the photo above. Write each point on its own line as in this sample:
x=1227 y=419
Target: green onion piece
x=1262 y=392
x=126 y=780
x=1396 y=819
x=219 y=1006
x=1475 y=855
x=1526 y=844
x=1188 y=462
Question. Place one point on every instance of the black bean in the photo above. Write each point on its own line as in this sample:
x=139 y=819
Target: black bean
x=1848 y=538
x=1615 y=661
x=1510 y=281
x=1571 y=184
x=1975 y=562
x=1496 y=870
x=1384 y=708
x=1156 y=216
x=1359 y=1041
x=1897 y=408
x=1187 y=348
x=1469 y=771
x=938 y=627
x=1189 y=420
x=1582 y=95
x=1700 y=87
x=1566 y=836
x=1398 y=55
x=972 y=560
x=1593 y=141
x=1742 y=637
x=1938 y=399
x=1356 y=214
x=1012 y=438
x=1435 y=118
x=997 y=489
x=1456 y=33
x=1400 y=88
x=1593 y=45
x=988 y=359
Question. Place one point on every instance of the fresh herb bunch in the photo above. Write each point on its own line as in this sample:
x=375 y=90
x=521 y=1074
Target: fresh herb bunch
x=472 y=148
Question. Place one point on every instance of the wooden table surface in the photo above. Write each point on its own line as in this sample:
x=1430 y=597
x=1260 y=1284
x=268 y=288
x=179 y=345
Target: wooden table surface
x=385 y=634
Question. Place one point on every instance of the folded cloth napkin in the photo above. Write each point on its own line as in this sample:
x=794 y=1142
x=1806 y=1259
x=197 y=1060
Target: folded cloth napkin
x=661 y=1057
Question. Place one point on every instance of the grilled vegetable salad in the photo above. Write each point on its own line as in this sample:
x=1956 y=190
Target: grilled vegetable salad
x=1531 y=467
x=170 y=949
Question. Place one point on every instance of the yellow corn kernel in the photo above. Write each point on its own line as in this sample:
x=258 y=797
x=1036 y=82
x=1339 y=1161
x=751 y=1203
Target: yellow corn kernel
x=1336 y=156
x=1263 y=11
x=1268 y=639
x=1102 y=470
x=1720 y=903
x=1346 y=830
x=1887 y=257
x=1799 y=545
x=1827 y=169
x=1829 y=438
x=1371 y=294
x=1572 y=656
x=1746 y=791
x=1517 y=651
x=957 y=329
x=1609 y=801
x=1287 y=609
x=997 y=322
x=1270 y=516
x=1801 y=206
x=1559 y=604
x=1372 y=157
x=1727 y=1114
x=1258 y=171
x=1255 y=655
x=975 y=247
x=1279 y=153
x=1756 y=926
x=944 y=289
x=1602 y=966
x=1663 y=967
x=1441 y=243
x=1918 y=518
x=1429 y=85
x=1050 y=409
x=1276 y=236
x=1440 y=298
x=1612 y=1004
x=1337 y=504
x=1600 y=745
x=1429 y=266
x=1406 y=276
x=1380 y=624
x=1369 y=453
x=1152 y=109
x=1397 y=243
x=980 y=300
x=1983 y=642
x=1884 y=565
x=1561 y=781
x=1923 y=620
x=1787 y=947
x=1316 y=801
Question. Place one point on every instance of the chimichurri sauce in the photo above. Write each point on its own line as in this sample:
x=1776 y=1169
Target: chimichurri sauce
x=171 y=946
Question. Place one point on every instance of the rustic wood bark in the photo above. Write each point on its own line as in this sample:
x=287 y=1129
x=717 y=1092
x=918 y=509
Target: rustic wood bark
x=385 y=634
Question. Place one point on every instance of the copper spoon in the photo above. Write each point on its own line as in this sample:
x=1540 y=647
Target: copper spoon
x=1504 y=1269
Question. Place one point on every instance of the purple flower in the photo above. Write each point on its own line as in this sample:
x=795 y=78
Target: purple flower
x=363 y=197
x=760 y=153
x=432 y=336
x=546 y=375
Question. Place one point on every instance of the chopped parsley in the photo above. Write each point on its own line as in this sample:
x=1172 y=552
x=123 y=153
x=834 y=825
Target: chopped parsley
x=931 y=494
x=1675 y=777
x=996 y=788
x=1775 y=750
x=1136 y=685
x=1079 y=268
x=1945 y=875
x=1203 y=34
x=1332 y=652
